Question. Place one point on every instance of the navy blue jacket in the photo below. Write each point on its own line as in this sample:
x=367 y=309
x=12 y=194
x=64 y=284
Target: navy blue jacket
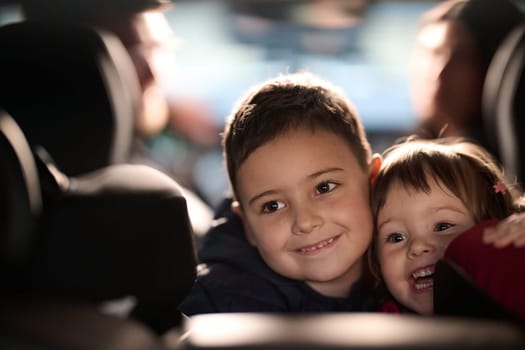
x=232 y=277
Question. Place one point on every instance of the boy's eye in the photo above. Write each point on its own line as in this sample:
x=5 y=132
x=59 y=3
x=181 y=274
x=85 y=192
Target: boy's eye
x=395 y=238
x=442 y=226
x=325 y=187
x=270 y=207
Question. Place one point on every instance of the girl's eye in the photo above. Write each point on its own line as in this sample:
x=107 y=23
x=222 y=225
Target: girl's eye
x=325 y=187
x=395 y=238
x=272 y=206
x=442 y=226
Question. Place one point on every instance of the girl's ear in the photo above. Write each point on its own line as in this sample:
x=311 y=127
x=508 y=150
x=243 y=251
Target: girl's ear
x=374 y=166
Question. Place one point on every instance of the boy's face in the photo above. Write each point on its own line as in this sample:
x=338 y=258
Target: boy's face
x=305 y=207
x=414 y=229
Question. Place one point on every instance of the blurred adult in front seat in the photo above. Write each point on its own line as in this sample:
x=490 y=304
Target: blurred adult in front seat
x=454 y=46
x=141 y=25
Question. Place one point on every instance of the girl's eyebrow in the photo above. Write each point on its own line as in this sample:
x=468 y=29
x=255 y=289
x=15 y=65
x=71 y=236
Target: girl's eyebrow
x=310 y=176
x=449 y=208
x=384 y=223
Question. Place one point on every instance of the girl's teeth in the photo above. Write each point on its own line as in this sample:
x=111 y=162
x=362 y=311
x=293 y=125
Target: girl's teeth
x=424 y=285
x=423 y=272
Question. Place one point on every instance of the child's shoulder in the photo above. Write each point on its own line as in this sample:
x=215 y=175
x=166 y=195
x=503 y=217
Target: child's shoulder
x=389 y=307
x=230 y=289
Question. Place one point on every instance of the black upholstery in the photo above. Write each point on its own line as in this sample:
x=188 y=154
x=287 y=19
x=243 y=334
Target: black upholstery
x=121 y=231
x=51 y=324
x=72 y=89
x=20 y=198
x=107 y=230
x=504 y=104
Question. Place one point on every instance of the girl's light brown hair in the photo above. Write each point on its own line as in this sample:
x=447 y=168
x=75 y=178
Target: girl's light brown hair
x=465 y=169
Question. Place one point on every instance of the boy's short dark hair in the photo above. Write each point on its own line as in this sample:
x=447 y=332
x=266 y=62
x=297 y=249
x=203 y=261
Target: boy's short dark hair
x=290 y=102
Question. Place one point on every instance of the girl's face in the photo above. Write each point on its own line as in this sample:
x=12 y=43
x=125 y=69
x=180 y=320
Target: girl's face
x=414 y=229
x=305 y=207
x=446 y=77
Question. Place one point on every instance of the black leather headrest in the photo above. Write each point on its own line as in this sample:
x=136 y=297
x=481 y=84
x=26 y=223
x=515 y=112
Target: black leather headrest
x=120 y=231
x=20 y=197
x=72 y=89
x=504 y=104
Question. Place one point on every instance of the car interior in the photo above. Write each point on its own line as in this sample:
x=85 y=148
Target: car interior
x=97 y=253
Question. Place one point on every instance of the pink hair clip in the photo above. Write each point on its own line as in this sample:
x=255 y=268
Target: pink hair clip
x=500 y=187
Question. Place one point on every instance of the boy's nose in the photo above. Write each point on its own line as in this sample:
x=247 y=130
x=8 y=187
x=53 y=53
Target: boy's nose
x=306 y=220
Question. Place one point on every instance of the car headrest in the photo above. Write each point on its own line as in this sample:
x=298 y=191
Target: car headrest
x=120 y=231
x=20 y=197
x=71 y=89
x=504 y=104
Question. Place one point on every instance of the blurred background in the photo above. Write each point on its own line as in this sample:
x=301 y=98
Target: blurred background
x=221 y=48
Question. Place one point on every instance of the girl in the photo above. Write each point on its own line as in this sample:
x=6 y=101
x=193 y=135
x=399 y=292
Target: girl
x=426 y=194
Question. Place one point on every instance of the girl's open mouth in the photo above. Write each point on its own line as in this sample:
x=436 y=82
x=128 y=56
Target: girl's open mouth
x=422 y=279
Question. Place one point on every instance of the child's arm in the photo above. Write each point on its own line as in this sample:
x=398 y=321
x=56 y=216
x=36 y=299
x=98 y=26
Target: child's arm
x=510 y=231
x=497 y=271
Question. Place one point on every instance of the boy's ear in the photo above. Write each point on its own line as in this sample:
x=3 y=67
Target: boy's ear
x=374 y=166
x=237 y=210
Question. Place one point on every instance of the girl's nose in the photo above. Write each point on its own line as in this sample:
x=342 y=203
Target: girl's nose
x=419 y=247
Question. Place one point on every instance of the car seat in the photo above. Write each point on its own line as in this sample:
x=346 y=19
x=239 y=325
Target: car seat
x=120 y=232
x=73 y=85
x=74 y=90
x=504 y=104
x=20 y=198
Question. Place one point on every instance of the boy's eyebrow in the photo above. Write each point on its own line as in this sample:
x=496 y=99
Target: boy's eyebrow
x=324 y=171
x=311 y=176
x=256 y=197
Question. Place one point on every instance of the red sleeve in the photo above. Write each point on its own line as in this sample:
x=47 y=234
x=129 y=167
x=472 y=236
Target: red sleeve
x=497 y=271
x=389 y=307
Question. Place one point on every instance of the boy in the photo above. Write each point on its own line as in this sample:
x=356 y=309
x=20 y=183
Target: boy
x=299 y=165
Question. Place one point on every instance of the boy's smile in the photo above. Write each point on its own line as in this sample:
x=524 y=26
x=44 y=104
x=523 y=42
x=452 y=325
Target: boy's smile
x=305 y=206
x=414 y=229
x=318 y=247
